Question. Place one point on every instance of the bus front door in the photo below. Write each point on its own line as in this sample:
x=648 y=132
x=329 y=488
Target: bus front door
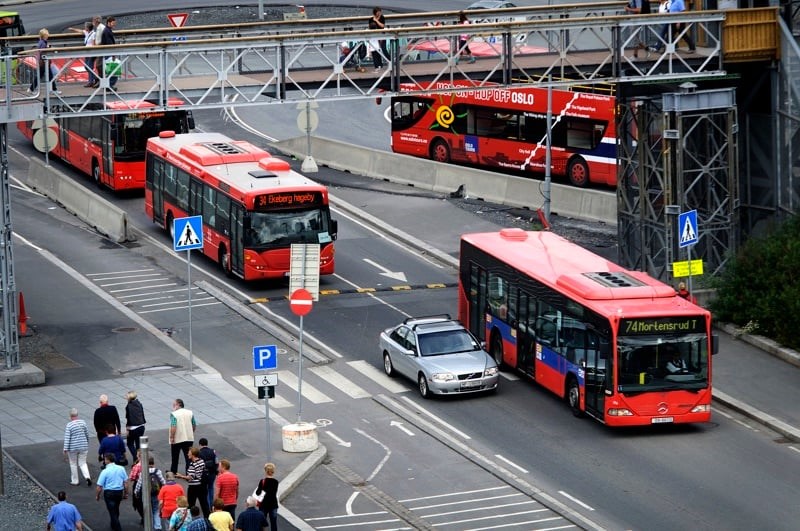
x=596 y=374
x=477 y=301
x=237 y=240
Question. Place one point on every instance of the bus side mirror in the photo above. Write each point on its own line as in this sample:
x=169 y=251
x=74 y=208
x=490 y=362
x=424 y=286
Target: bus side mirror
x=190 y=119
x=714 y=344
x=334 y=228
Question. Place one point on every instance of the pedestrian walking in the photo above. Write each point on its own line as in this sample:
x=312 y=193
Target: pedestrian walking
x=195 y=489
x=112 y=484
x=41 y=45
x=181 y=433
x=103 y=416
x=181 y=518
x=112 y=443
x=88 y=62
x=63 y=516
x=377 y=46
x=227 y=487
x=133 y=478
x=198 y=523
x=251 y=518
x=168 y=498
x=639 y=7
x=110 y=63
x=269 y=503
x=157 y=482
x=220 y=518
x=463 y=39
x=134 y=425
x=76 y=447
x=209 y=457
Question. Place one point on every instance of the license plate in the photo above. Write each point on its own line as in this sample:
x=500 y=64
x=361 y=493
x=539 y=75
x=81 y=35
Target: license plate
x=469 y=384
x=661 y=420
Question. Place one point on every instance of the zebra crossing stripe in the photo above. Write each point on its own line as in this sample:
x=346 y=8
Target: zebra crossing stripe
x=377 y=376
x=327 y=373
x=309 y=391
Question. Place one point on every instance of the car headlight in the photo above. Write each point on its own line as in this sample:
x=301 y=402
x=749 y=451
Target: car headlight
x=490 y=371
x=443 y=377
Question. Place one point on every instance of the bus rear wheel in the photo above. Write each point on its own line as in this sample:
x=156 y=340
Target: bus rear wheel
x=578 y=172
x=440 y=151
x=224 y=260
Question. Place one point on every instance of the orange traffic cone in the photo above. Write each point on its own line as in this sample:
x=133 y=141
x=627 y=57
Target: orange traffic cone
x=23 y=316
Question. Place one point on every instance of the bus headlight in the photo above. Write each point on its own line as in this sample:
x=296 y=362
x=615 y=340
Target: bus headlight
x=620 y=412
x=702 y=408
x=442 y=377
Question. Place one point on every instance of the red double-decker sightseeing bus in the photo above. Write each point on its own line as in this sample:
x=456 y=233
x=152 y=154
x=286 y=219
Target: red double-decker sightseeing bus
x=506 y=128
x=110 y=148
x=253 y=205
x=618 y=345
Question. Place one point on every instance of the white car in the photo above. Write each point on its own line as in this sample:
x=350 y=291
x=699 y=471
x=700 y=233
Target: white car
x=440 y=355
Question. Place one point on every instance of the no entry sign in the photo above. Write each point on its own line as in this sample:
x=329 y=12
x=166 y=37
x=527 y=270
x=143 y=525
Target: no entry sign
x=301 y=302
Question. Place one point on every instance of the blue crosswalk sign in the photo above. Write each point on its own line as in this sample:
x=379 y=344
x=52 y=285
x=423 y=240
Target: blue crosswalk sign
x=265 y=357
x=187 y=233
x=687 y=228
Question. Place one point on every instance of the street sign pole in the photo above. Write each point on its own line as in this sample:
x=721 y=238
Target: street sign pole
x=147 y=508
x=189 y=287
x=300 y=375
x=269 y=435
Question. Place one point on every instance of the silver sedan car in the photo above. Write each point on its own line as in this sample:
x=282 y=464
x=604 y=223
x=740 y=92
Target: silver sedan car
x=440 y=355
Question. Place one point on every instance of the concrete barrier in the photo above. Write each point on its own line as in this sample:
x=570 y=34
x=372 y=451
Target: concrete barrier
x=567 y=201
x=105 y=217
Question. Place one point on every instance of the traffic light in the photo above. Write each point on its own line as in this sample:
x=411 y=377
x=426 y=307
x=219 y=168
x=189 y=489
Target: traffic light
x=266 y=392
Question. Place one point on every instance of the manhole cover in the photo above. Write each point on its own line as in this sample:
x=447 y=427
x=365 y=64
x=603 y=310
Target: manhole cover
x=124 y=329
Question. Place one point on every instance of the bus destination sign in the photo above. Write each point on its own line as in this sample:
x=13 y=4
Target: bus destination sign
x=287 y=200
x=662 y=325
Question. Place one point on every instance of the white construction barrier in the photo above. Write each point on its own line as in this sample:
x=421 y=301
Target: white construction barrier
x=105 y=217
x=524 y=192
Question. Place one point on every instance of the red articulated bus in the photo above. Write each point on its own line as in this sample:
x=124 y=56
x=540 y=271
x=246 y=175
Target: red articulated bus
x=616 y=344
x=506 y=128
x=252 y=204
x=110 y=148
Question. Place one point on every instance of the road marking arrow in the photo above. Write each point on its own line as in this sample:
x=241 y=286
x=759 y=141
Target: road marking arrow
x=338 y=439
x=397 y=275
x=400 y=426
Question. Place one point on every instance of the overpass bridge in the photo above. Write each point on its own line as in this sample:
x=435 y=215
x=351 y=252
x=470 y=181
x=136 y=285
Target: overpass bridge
x=556 y=46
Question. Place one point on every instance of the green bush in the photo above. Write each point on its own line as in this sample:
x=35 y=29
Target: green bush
x=760 y=289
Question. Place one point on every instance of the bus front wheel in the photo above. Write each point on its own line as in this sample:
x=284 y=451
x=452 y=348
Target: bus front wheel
x=497 y=350
x=224 y=260
x=574 y=396
x=170 y=226
x=440 y=151
x=578 y=172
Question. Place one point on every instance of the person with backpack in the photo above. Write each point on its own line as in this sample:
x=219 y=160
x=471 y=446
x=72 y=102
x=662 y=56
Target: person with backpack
x=157 y=481
x=639 y=7
x=209 y=457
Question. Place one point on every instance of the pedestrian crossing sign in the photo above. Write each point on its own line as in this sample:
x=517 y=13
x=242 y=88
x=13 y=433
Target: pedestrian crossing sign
x=187 y=233
x=687 y=228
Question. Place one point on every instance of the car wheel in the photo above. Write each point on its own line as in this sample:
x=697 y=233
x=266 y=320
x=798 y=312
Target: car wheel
x=578 y=172
x=387 y=365
x=422 y=383
x=574 y=397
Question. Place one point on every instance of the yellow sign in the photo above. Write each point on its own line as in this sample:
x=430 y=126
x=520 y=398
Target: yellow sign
x=681 y=269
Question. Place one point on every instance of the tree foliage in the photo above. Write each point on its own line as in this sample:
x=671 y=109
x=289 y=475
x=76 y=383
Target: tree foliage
x=760 y=289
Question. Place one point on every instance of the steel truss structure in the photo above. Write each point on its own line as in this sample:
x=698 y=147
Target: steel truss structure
x=677 y=152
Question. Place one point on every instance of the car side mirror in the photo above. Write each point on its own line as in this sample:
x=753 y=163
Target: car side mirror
x=714 y=344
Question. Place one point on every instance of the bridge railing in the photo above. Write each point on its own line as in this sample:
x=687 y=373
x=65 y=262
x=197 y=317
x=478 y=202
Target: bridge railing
x=296 y=67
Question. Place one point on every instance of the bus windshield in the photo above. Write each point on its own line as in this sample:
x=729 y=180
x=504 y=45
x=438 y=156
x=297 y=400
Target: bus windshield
x=268 y=229
x=135 y=128
x=659 y=362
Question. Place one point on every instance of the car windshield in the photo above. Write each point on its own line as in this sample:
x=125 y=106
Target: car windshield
x=446 y=342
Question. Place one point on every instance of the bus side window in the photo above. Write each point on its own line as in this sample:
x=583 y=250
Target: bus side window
x=545 y=331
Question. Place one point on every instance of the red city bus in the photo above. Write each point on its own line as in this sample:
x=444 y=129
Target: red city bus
x=253 y=205
x=110 y=148
x=506 y=128
x=618 y=345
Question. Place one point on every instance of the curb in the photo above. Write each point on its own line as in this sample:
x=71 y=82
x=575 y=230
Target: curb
x=790 y=432
x=762 y=343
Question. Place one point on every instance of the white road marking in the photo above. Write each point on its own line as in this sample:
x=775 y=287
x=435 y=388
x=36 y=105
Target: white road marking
x=377 y=376
x=510 y=463
x=435 y=418
x=330 y=375
x=576 y=500
x=309 y=391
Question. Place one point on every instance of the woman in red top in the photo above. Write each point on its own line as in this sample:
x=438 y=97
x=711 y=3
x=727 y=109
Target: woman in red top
x=227 y=487
x=168 y=498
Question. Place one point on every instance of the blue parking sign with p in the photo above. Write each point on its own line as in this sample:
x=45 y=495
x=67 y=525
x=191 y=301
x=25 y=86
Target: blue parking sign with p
x=265 y=357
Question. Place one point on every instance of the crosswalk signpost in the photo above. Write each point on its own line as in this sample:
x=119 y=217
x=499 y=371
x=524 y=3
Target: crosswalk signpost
x=187 y=234
x=687 y=237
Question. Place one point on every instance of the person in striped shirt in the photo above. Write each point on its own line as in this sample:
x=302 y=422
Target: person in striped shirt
x=196 y=489
x=76 y=447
